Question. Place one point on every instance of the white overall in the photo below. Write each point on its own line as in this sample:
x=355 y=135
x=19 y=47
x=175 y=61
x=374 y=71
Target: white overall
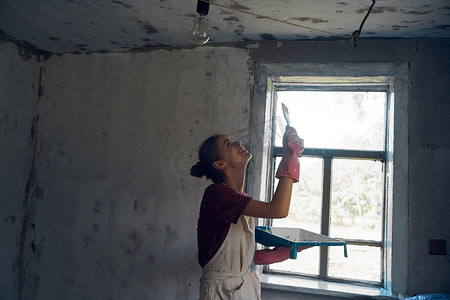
x=227 y=276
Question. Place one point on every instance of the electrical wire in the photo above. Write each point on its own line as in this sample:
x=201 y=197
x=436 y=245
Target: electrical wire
x=354 y=36
x=357 y=33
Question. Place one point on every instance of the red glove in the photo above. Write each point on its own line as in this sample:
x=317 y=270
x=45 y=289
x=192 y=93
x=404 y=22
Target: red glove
x=275 y=255
x=292 y=149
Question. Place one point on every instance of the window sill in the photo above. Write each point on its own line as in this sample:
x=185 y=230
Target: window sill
x=317 y=287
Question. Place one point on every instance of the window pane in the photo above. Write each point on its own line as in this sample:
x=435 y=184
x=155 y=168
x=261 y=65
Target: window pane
x=306 y=201
x=345 y=120
x=357 y=199
x=307 y=262
x=362 y=263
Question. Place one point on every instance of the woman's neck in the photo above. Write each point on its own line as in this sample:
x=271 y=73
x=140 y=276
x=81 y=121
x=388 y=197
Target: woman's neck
x=235 y=182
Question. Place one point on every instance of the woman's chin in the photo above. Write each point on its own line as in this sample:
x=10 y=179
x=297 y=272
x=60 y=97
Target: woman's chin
x=248 y=156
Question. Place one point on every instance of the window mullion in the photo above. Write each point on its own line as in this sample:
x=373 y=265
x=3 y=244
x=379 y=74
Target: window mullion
x=326 y=203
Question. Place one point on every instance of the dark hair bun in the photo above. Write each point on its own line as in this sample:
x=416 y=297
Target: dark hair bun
x=197 y=170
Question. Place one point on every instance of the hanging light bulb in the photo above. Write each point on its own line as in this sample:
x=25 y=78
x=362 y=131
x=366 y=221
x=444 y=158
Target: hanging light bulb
x=199 y=31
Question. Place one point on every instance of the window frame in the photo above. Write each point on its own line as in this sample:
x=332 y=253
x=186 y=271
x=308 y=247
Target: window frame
x=328 y=155
x=260 y=171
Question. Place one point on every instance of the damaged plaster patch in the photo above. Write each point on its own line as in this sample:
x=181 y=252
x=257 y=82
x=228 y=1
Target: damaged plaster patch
x=302 y=36
x=443 y=27
x=412 y=22
x=398 y=27
x=10 y=220
x=415 y=12
x=239 y=30
x=121 y=3
x=313 y=20
x=171 y=234
x=87 y=241
x=81 y=47
x=38 y=192
x=171 y=237
x=238 y=6
x=224 y=12
x=267 y=36
x=97 y=208
x=133 y=244
x=253 y=46
x=377 y=9
x=149 y=29
x=231 y=19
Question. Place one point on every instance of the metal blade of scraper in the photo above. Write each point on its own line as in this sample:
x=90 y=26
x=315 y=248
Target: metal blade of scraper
x=285 y=113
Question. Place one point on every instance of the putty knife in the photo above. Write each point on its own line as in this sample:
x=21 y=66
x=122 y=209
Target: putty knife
x=285 y=113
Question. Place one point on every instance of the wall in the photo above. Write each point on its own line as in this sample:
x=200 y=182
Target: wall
x=116 y=147
x=429 y=167
x=111 y=210
x=429 y=140
x=19 y=97
x=115 y=210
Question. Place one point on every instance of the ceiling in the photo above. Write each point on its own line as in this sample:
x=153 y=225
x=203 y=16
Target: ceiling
x=60 y=26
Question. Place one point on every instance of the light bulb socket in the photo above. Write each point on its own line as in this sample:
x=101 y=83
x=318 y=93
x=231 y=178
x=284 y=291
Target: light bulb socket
x=202 y=8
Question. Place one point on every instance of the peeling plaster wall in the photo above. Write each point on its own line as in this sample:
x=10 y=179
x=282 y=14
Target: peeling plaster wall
x=18 y=115
x=108 y=140
x=117 y=210
x=429 y=168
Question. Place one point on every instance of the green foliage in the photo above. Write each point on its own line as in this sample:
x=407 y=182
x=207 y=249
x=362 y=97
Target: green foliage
x=356 y=192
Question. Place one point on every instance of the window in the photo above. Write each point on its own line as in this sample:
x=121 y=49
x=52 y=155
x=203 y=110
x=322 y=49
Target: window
x=341 y=191
x=371 y=146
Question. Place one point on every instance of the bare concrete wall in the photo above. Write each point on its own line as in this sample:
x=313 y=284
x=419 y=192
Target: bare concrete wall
x=118 y=134
x=19 y=97
x=429 y=167
x=112 y=210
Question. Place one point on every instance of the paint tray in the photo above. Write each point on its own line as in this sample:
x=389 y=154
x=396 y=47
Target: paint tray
x=294 y=237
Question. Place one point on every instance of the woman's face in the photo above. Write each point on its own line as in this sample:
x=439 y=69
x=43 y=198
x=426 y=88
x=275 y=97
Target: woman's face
x=232 y=152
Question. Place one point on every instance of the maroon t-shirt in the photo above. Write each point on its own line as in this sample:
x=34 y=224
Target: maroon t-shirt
x=221 y=206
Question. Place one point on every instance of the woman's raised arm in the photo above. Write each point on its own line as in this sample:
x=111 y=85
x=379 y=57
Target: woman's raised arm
x=278 y=207
x=288 y=172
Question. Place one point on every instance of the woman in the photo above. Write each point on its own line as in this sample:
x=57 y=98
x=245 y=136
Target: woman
x=225 y=232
